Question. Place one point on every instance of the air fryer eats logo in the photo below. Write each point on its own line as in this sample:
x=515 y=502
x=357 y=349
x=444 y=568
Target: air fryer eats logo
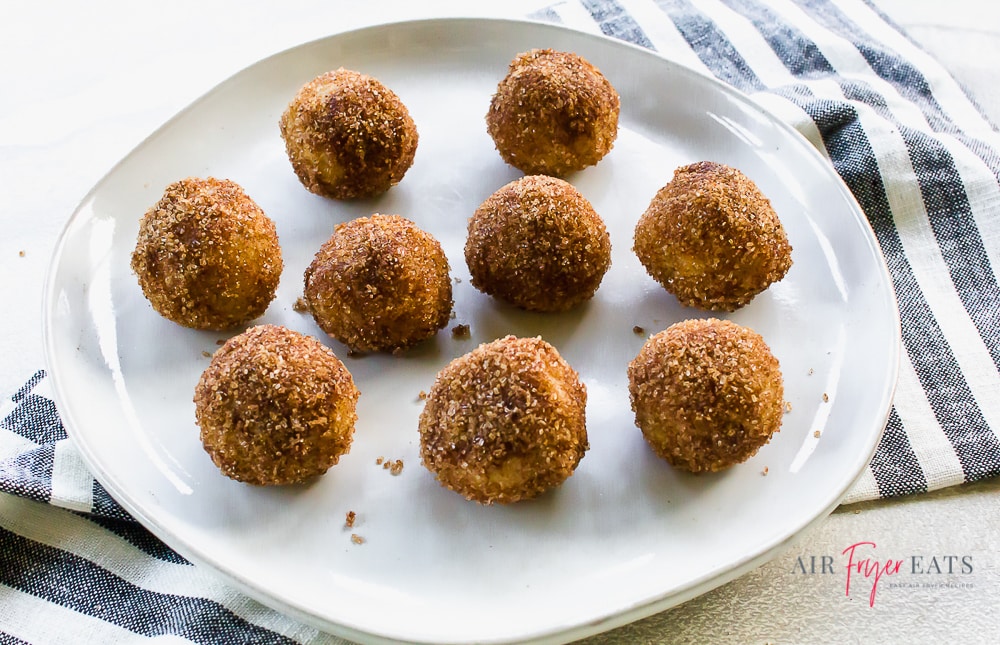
x=863 y=569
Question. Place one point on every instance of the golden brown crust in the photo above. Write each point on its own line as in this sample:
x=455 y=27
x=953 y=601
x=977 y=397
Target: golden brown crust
x=504 y=422
x=207 y=256
x=538 y=244
x=712 y=239
x=707 y=394
x=275 y=407
x=553 y=113
x=348 y=136
x=379 y=283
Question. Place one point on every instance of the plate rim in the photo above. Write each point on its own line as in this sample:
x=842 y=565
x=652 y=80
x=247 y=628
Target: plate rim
x=555 y=633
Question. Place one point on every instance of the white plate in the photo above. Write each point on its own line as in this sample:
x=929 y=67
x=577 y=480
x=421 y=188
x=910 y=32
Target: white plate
x=624 y=537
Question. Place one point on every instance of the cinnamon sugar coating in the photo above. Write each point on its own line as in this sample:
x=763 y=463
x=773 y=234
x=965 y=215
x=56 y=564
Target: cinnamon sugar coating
x=348 y=136
x=538 y=244
x=275 y=407
x=207 y=256
x=707 y=394
x=553 y=113
x=712 y=239
x=379 y=283
x=505 y=422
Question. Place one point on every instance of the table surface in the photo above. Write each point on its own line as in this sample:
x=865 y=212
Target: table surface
x=84 y=83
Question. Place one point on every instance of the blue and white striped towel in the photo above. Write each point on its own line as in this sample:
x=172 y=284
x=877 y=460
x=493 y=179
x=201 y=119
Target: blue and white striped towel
x=915 y=151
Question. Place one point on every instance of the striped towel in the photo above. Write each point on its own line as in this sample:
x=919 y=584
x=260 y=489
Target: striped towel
x=915 y=151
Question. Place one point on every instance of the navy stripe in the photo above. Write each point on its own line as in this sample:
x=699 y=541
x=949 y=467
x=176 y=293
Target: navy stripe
x=29 y=474
x=29 y=386
x=105 y=506
x=800 y=55
x=804 y=59
x=948 y=394
x=903 y=76
x=7 y=639
x=614 y=21
x=895 y=466
x=137 y=536
x=954 y=227
x=711 y=45
x=886 y=64
x=78 y=584
x=951 y=220
x=35 y=418
x=547 y=13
